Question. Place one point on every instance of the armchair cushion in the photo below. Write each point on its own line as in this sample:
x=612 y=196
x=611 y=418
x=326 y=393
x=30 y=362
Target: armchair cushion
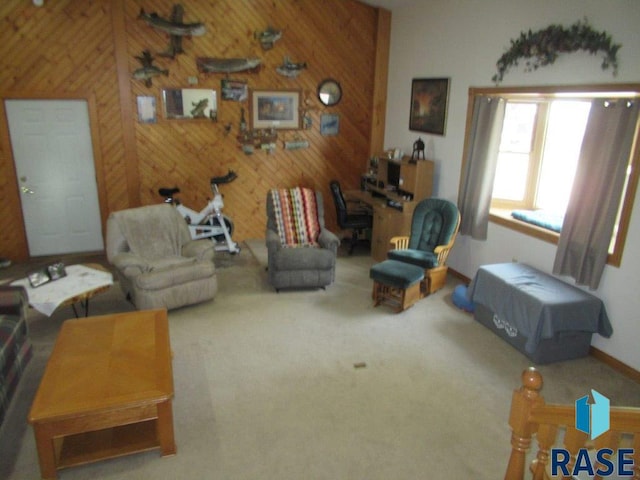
x=296 y=216
x=419 y=258
x=434 y=222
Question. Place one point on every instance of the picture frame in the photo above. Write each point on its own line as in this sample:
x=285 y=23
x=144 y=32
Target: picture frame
x=190 y=103
x=329 y=124
x=429 y=98
x=234 y=90
x=147 y=109
x=278 y=109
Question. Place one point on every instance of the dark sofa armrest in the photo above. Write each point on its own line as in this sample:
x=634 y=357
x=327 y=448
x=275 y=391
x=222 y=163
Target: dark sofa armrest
x=13 y=300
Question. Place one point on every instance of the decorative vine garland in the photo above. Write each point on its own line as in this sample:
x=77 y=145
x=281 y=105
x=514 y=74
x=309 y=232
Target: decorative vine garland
x=543 y=47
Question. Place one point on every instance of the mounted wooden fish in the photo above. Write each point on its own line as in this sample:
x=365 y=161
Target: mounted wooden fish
x=227 y=65
x=291 y=69
x=148 y=70
x=268 y=38
x=173 y=27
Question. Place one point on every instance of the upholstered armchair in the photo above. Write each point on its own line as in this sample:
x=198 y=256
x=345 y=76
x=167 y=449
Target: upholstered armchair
x=299 y=259
x=157 y=263
x=434 y=227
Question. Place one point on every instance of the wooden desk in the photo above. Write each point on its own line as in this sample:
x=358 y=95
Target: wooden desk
x=392 y=213
x=106 y=391
x=387 y=221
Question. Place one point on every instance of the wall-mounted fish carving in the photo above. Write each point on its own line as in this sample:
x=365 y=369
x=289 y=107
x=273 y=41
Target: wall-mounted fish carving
x=227 y=65
x=173 y=27
x=291 y=69
x=148 y=70
x=268 y=38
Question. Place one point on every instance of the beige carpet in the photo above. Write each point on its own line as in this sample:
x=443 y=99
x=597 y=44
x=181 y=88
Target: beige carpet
x=267 y=386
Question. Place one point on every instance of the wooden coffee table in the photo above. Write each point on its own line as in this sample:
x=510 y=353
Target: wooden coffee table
x=106 y=392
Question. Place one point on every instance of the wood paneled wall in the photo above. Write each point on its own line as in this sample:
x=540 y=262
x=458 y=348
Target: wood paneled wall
x=87 y=49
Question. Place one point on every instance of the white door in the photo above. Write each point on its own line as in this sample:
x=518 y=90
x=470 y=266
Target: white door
x=51 y=142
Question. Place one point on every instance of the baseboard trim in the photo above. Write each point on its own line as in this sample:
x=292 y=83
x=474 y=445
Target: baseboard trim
x=616 y=364
x=596 y=353
x=459 y=276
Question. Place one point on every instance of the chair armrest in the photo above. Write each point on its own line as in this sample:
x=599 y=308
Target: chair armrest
x=273 y=241
x=442 y=252
x=399 y=243
x=200 y=249
x=130 y=264
x=328 y=240
x=13 y=300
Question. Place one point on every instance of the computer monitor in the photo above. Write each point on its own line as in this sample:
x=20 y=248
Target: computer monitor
x=393 y=174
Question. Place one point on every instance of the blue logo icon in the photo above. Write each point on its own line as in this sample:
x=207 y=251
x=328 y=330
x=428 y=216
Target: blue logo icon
x=592 y=418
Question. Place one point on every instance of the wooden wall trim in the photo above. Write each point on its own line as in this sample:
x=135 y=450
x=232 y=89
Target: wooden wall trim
x=379 y=105
x=126 y=101
x=616 y=364
x=11 y=204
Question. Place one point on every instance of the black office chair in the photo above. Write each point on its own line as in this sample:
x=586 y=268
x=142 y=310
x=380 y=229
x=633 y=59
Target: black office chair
x=354 y=220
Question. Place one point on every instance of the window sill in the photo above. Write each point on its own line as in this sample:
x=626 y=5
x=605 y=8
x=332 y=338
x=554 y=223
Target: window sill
x=503 y=217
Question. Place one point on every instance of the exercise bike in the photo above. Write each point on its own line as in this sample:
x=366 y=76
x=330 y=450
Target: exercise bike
x=208 y=222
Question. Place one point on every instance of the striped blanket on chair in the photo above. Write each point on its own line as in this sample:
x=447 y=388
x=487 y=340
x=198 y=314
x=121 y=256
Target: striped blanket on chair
x=296 y=215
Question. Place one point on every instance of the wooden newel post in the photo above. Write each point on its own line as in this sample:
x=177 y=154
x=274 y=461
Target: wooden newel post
x=522 y=402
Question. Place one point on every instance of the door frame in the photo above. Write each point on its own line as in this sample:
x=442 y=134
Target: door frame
x=12 y=191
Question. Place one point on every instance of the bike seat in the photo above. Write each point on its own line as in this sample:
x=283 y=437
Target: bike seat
x=228 y=178
x=168 y=192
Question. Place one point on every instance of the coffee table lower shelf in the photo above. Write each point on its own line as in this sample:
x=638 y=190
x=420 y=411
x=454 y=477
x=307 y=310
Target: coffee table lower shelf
x=114 y=442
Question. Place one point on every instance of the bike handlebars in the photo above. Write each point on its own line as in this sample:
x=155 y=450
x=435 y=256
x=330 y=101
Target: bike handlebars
x=228 y=178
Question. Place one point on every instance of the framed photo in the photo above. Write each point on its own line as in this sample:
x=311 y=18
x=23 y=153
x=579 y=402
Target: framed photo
x=429 y=105
x=329 y=124
x=189 y=103
x=235 y=90
x=147 y=109
x=278 y=109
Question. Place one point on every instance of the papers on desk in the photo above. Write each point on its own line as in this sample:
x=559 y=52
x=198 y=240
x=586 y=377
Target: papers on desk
x=80 y=280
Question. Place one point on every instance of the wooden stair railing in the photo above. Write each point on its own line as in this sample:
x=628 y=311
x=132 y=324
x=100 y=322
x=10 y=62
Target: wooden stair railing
x=530 y=416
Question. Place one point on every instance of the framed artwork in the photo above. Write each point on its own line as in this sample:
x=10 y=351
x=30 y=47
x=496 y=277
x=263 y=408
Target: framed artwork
x=329 y=124
x=181 y=103
x=235 y=90
x=147 y=109
x=279 y=109
x=429 y=105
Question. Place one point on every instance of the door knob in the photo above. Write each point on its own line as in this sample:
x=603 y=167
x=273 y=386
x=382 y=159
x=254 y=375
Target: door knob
x=27 y=190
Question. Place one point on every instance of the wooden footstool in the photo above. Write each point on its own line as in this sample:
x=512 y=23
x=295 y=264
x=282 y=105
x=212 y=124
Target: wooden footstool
x=396 y=283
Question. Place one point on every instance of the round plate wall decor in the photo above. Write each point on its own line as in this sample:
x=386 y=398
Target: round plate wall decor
x=329 y=92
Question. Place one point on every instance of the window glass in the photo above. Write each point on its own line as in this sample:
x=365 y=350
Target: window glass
x=515 y=151
x=563 y=139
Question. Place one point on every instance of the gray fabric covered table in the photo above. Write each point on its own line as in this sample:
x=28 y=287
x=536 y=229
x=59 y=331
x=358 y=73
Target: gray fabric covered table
x=537 y=305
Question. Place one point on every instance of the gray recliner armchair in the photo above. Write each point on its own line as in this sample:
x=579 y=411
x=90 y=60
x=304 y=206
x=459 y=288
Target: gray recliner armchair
x=302 y=266
x=157 y=263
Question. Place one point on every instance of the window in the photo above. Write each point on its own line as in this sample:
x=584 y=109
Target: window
x=540 y=142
